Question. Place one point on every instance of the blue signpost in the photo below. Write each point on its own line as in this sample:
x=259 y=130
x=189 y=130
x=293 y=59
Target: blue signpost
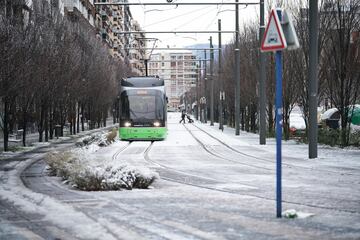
x=274 y=40
x=279 y=123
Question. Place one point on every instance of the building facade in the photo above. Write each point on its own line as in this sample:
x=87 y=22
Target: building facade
x=111 y=21
x=178 y=69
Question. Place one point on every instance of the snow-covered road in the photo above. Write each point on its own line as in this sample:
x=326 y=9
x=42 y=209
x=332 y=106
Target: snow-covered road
x=213 y=185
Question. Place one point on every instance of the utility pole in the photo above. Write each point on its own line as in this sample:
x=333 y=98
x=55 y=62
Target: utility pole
x=222 y=93
x=211 y=83
x=313 y=78
x=237 y=71
x=262 y=81
x=205 y=84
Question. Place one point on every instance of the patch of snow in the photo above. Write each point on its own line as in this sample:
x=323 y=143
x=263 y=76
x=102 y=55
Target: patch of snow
x=54 y=211
x=292 y=213
x=328 y=113
x=297 y=121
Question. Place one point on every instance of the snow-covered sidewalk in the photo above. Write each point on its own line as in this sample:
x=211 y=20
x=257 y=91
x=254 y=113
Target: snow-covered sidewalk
x=213 y=185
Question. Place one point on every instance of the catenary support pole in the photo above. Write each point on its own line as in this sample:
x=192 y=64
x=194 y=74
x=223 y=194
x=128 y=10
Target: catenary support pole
x=197 y=93
x=313 y=81
x=205 y=89
x=237 y=71
x=211 y=83
x=220 y=80
x=262 y=80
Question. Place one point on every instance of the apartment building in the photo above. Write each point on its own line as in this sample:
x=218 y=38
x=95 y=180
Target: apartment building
x=82 y=11
x=111 y=21
x=137 y=51
x=179 y=71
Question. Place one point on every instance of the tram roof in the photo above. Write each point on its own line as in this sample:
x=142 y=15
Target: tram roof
x=142 y=82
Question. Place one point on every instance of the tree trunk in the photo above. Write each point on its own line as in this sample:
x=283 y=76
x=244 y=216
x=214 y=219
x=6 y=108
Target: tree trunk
x=70 y=130
x=41 y=124
x=247 y=118
x=6 y=123
x=286 y=126
x=253 y=119
x=82 y=118
x=242 y=120
x=46 y=125
x=271 y=119
x=51 y=128
x=78 y=118
x=24 y=123
x=74 y=123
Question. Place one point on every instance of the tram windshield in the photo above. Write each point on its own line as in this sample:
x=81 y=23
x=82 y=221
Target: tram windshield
x=142 y=105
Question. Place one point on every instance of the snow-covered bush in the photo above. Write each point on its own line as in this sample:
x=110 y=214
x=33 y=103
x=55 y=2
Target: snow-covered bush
x=62 y=164
x=355 y=138
x=75 y=168
x=101 y=140
x=110 y=137
x=87 y=179
x=128 y=177
x=87 y=140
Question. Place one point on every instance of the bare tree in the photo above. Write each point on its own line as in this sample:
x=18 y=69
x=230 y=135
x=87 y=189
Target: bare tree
x=341 y=58
x=53 y=71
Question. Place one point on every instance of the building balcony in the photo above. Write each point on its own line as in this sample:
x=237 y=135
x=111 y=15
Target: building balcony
x=103 y=13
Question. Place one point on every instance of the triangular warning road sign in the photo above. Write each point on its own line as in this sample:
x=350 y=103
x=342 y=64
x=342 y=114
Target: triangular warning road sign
x=274 y=38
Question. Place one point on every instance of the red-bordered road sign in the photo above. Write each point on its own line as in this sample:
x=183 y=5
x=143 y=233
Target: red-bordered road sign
x=274 y=38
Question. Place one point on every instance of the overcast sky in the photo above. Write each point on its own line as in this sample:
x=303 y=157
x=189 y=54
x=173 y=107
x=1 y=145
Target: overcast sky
x=190 y=18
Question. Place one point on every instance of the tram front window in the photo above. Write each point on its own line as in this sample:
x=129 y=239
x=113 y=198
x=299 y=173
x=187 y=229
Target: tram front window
x=141 y=108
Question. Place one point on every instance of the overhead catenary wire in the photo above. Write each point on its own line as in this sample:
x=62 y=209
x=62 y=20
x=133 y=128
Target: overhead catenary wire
x=192 y=19
x=175 y=17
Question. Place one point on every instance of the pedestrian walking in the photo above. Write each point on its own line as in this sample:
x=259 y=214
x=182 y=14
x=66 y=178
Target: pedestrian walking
x=182 y=116
x=189 y=118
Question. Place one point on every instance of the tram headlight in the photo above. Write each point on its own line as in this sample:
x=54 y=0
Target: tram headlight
x=127 y=124
x=157 y=124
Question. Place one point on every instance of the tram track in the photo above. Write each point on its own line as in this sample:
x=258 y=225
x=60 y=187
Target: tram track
x=210 y=151
x=120 y=150
x=173 y=170
x=259 y=158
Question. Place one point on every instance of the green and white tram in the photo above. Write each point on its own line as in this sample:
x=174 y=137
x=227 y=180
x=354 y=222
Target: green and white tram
x=143 y=108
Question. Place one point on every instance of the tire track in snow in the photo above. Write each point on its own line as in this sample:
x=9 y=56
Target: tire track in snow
x=187 y=176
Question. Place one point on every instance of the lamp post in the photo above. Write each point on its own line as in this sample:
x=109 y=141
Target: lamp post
x=237 y=71
x=262 y=84
x=211 y=83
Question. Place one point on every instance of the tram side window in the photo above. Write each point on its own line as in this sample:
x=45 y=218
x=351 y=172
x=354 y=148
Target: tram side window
x=125 y=110
x=159 y=108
